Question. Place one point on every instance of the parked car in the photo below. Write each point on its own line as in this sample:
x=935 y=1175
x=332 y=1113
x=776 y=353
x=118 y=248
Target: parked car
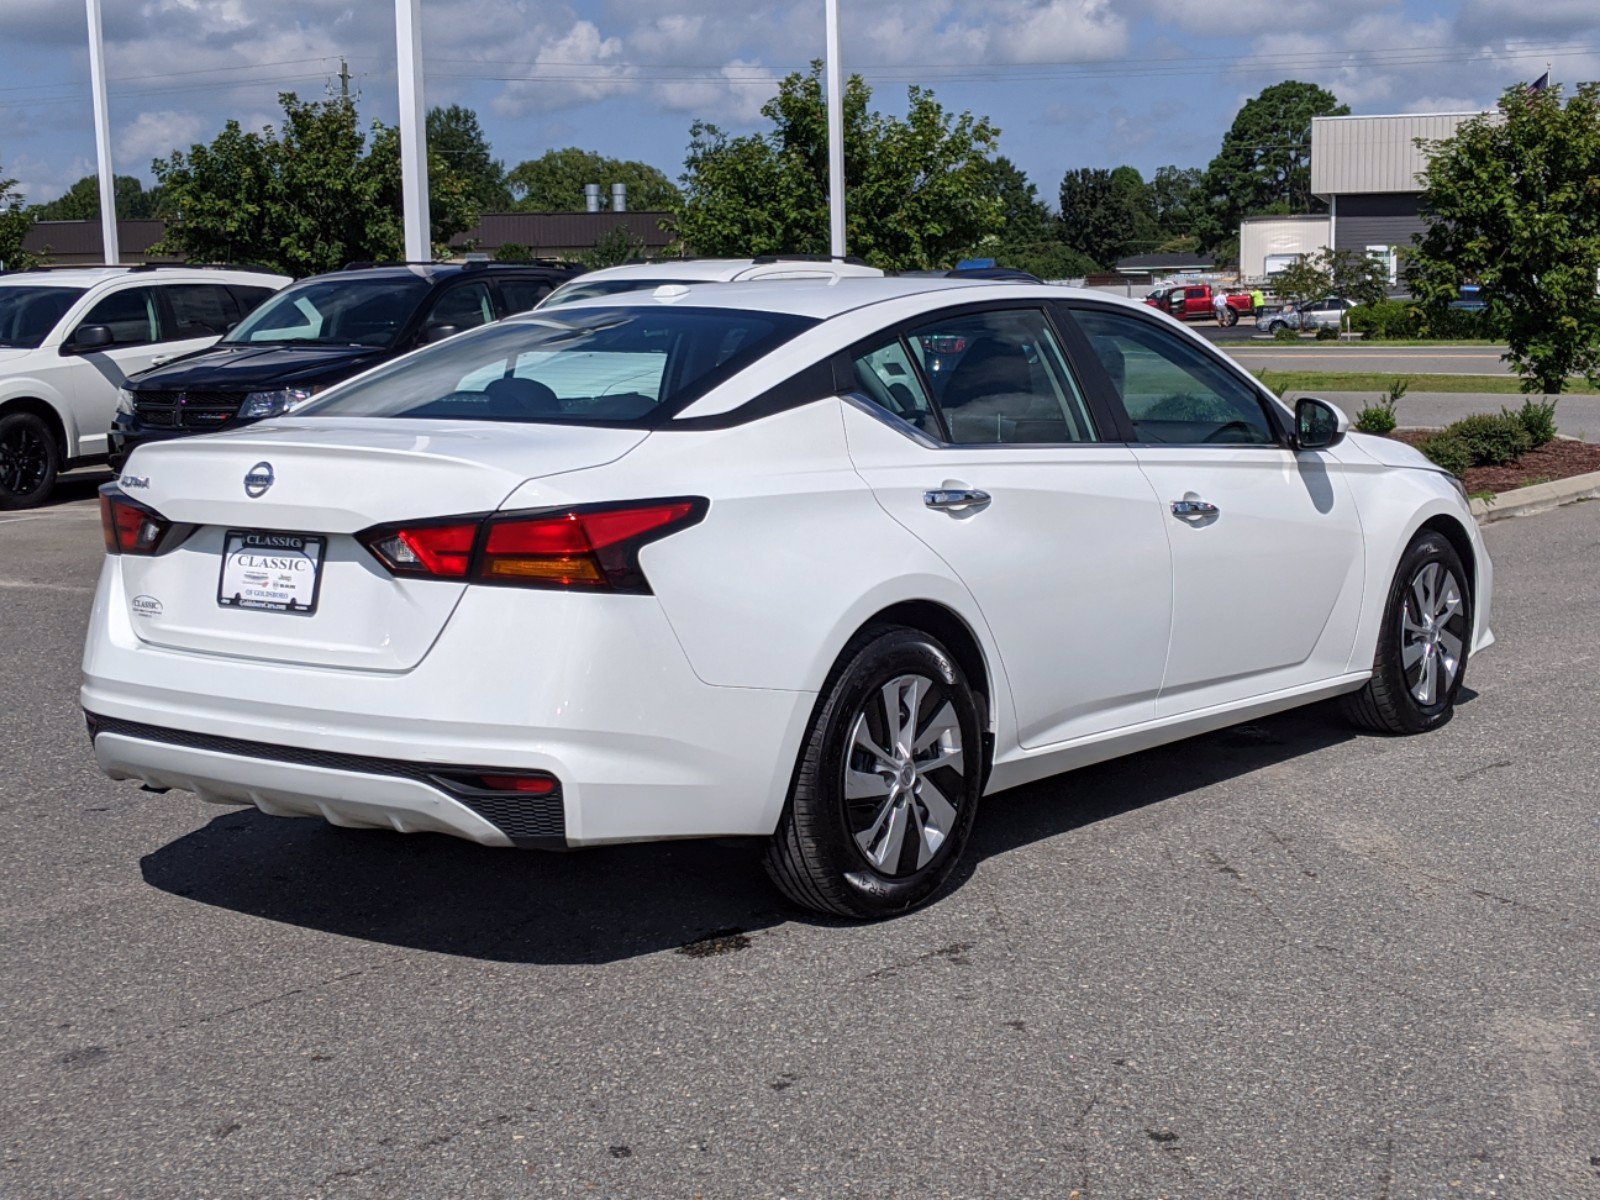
x=1327 y=313
x=646 y=276
x=727 y=562
x=70 y=337
x=1190 y=301
x=316 y=333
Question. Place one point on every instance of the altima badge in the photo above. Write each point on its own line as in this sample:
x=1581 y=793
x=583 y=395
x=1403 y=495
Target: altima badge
x=258 y=479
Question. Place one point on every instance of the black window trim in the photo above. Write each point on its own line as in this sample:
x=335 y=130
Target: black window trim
x=1093 y=374
x=1103 y=416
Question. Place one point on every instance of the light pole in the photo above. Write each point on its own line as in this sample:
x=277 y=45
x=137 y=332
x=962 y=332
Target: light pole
x=835 y=134
x=102 y=137
x=413 y=130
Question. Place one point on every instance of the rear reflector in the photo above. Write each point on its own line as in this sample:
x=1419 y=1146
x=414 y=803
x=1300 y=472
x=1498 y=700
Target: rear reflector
x=591 y=548
x=130 y=528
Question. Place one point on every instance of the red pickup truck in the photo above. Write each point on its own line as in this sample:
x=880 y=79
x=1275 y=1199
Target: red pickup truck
x=1196 y=300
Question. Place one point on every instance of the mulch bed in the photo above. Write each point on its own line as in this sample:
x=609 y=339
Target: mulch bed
x=1560 y=459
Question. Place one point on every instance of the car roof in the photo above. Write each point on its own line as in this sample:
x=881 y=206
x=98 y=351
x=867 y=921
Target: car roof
x=85 y=277
x=822 y=299
x=724 y=270
x=433 y=272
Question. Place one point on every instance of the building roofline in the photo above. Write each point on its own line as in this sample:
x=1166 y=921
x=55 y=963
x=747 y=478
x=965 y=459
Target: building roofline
x=1465 y=112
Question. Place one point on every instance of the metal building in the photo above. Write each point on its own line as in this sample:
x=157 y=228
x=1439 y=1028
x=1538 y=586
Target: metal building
x=1269 y=244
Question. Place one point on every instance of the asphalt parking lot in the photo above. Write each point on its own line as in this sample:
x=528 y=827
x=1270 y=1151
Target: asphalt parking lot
x=1279 y=960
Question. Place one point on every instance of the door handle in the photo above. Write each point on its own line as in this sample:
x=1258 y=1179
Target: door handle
x=1194 y=508
x=956 y=499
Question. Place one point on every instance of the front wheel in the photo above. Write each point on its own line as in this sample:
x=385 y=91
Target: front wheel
x=1228 y=318
x=1423 y=644
x=887 y=785
x=29 y=460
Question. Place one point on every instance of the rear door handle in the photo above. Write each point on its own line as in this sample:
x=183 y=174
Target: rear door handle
x=1194 y=508
x=956 y=499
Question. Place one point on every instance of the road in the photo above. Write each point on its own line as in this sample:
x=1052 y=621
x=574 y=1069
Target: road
x=1401 y=360
x=1282 y=959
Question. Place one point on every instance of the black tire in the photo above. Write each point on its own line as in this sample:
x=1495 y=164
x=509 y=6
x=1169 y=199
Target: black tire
x=1274 y=326
x=1228 y=317
x=817 y=857
x=1390 y=700
x=30 y=459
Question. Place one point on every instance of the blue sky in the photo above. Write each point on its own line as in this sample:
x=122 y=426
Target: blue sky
x=1070 y=82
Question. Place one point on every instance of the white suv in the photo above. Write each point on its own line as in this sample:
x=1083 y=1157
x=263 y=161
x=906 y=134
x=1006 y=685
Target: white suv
x=643 y=277
x=70 y=337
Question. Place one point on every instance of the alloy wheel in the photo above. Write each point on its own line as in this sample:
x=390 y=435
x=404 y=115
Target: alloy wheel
x=24 y=460
x=1433 y=632
x=903 y=765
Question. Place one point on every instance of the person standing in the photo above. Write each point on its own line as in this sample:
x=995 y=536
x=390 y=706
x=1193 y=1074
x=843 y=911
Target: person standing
x=1219 y=306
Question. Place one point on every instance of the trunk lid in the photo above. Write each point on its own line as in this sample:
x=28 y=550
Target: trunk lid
x=329 y=479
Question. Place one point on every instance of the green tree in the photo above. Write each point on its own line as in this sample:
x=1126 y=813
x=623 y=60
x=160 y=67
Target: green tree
x=1304 y=280
x=455 y=136
x=1513 y=203
x=81 y=201
x=1181 y=208
x=613 y=248
x=1106 y=214
x=1264 y=165
x=1026 y=218
x=554 y=182
x=15 y=221
x=305 y=198
x=919 y=191
x=1346 y=273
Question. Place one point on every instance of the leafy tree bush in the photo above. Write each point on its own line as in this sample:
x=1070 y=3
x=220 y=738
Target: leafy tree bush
x=81 y=201
x=1511 y=204
x=1387 y=319
x=1286 y=335
x=455 y=136
x=1448 y=451
x=614 y=247
x=513 y=252
x=1493 y=438
x=1107 y=214
x=554 y=182
x=1380 y=418
x=919 y=190
x=1264 y=165
x=15 y=221
x=1327 y=333
x=1538 y=418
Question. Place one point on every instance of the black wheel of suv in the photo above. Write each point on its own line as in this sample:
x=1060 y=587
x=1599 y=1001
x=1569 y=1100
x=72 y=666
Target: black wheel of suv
x=29 y=460
x=1423 y=645
x=1228 y=317
x=887 y=785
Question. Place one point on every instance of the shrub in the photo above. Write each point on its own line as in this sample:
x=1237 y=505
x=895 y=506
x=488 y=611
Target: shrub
x=1448 y=451
x=1376 y=418
x=1326 y=333
x=1538 y=418
x=1286 y=335
x=1494 y=438
x=1387 y=319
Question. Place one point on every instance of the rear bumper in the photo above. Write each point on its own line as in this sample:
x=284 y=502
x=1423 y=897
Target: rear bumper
x=593 y=690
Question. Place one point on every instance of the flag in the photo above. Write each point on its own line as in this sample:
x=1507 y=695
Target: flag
x=1539 y=84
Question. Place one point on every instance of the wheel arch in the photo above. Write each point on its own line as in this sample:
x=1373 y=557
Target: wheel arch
x=44 y=410
x=1460 y=541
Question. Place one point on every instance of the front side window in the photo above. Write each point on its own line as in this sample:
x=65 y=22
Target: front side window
x=346 y=312
x=200 y=310
x=28 y=314
x=520 y=295
x=999 y=377
x=599 y=365
x=130 y=315
x=463 y=307
x=1174 y=393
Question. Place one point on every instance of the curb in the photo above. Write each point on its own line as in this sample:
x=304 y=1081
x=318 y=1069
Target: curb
x=1540 y=497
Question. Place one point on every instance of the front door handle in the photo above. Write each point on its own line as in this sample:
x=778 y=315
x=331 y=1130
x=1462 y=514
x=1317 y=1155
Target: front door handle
x=956 y=499
x=1194 y=508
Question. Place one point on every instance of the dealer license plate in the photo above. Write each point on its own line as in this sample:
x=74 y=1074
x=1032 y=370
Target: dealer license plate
x=279 y=572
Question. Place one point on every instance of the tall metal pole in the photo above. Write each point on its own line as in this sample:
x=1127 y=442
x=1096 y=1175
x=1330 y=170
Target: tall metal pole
x=102 y=137
x=413 y=130
x=835 y=135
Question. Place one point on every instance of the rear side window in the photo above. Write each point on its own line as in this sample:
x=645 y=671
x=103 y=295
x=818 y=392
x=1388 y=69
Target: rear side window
x=887 y=376
x=130 y=315
x=520 y=295
x=200 y=310
x=999 y=377
x=595 y=365
x=1173 y=393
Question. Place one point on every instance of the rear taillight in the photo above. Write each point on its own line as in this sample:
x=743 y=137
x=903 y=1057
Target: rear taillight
x=593 y=547
x=130 y=528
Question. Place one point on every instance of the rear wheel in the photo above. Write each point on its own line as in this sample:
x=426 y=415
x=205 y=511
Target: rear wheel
x=29 y=460
x=887 y=786
x=1423 y=645
x=1228 y=317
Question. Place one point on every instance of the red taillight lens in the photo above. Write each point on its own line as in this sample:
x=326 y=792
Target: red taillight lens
x=441 y=551
x=593 y=547
x=527 y=785
x=129 y=528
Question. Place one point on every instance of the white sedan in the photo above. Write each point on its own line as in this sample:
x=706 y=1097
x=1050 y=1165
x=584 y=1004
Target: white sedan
x=823 y=563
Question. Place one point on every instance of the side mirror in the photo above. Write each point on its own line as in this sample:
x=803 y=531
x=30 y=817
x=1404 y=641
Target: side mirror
x=1318 y=424
x=438 y=333
x=87 y=338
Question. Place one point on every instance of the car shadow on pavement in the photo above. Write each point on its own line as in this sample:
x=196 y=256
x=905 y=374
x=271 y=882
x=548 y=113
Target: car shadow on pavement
x=430 y=892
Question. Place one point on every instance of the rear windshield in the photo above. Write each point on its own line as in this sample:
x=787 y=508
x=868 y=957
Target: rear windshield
x=613 y=366
x=335 y=312
x=569 y=293
x=28 y=314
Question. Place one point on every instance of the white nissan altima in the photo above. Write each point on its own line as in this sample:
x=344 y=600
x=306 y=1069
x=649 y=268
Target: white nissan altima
x=823 y=563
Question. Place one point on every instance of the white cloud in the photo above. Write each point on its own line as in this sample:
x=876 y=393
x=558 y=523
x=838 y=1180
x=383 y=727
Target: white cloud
x=153 y=135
